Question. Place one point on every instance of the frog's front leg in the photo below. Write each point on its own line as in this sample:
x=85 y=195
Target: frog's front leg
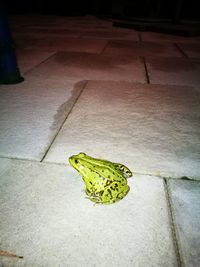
x=93 y=195
x=123 y=169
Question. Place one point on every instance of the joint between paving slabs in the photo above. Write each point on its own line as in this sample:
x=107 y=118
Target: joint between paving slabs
x=70 y=111
x=46 y=59
x=104 y=48
x=146 y=70
x=172 y=223
x=181 y=51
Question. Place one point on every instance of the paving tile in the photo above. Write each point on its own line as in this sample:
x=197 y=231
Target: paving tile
x=86 y=23
x=125 y=47
x=23 y=41
x=112 y=34
x=46 y=218
x=178 y=71
x=153 y=128
x=28 y=59
x=87 y=66
x=59 y=43
x=47 y=31
x=33 y=19
x=31 y=114
x=192 y=50
x=163 y=37
x=185 y=196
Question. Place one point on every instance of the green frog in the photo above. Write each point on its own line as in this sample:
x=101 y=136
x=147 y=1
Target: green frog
x=106 y=182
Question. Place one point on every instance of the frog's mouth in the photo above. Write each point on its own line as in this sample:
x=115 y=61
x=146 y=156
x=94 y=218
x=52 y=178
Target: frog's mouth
x=75 y=163
x=72 y=161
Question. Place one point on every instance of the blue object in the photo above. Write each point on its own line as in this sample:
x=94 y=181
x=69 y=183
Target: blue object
x=9 y=72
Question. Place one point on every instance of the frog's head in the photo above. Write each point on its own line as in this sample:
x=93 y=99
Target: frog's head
x=78 y=162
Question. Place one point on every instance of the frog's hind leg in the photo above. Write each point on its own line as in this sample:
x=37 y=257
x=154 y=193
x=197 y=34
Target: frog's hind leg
x=124 y=193
x=123 y=169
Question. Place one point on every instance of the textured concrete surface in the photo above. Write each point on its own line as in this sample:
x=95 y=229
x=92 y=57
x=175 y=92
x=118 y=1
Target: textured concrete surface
x=28 y=60
x=112 y=34
x=185 y=197
x=123 y=47
x=178 y=71
x=163 y=37
x=65 y=43
x=87 y=66
x=155 y=129
x=51 y=223
x=192 y=50
x=31 y=114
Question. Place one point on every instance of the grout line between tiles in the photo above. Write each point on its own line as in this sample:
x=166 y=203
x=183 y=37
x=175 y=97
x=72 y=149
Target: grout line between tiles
x=70 y=111
x=104 y=48
x=26 y=72
x=146 y=70
x=64 y=164
x=181 y=51
x=172 y=223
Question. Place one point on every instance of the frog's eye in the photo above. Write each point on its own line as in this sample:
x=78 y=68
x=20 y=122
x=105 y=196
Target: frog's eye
x=76 y=161
x=82 y=155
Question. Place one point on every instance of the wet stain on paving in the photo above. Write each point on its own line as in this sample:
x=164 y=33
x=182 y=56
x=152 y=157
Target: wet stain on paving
x=92 y=61
x=64 y=109
x=141 y=48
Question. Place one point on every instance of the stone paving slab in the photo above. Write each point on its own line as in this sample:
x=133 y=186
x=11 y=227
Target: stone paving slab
x=125 y=47
x=31 y=113
x=63 y=43
x=163 y=37
x=185 y=197
x=22 y=41
x=177 y=71
x=28 y=59
x=46 y=218
x=80 y=24
x=59 y=43
x=153 y=128
x=47 y=31
x=26 y=20
x=112 y=34
x=87 y=66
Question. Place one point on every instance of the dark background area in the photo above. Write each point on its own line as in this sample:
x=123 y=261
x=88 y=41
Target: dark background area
x=169 y=9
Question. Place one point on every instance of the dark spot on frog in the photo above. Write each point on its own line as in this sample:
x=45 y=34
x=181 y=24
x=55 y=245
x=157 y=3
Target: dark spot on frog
x=108 y=182
x=110 y=193
x=101 y=192
x=113 y=188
